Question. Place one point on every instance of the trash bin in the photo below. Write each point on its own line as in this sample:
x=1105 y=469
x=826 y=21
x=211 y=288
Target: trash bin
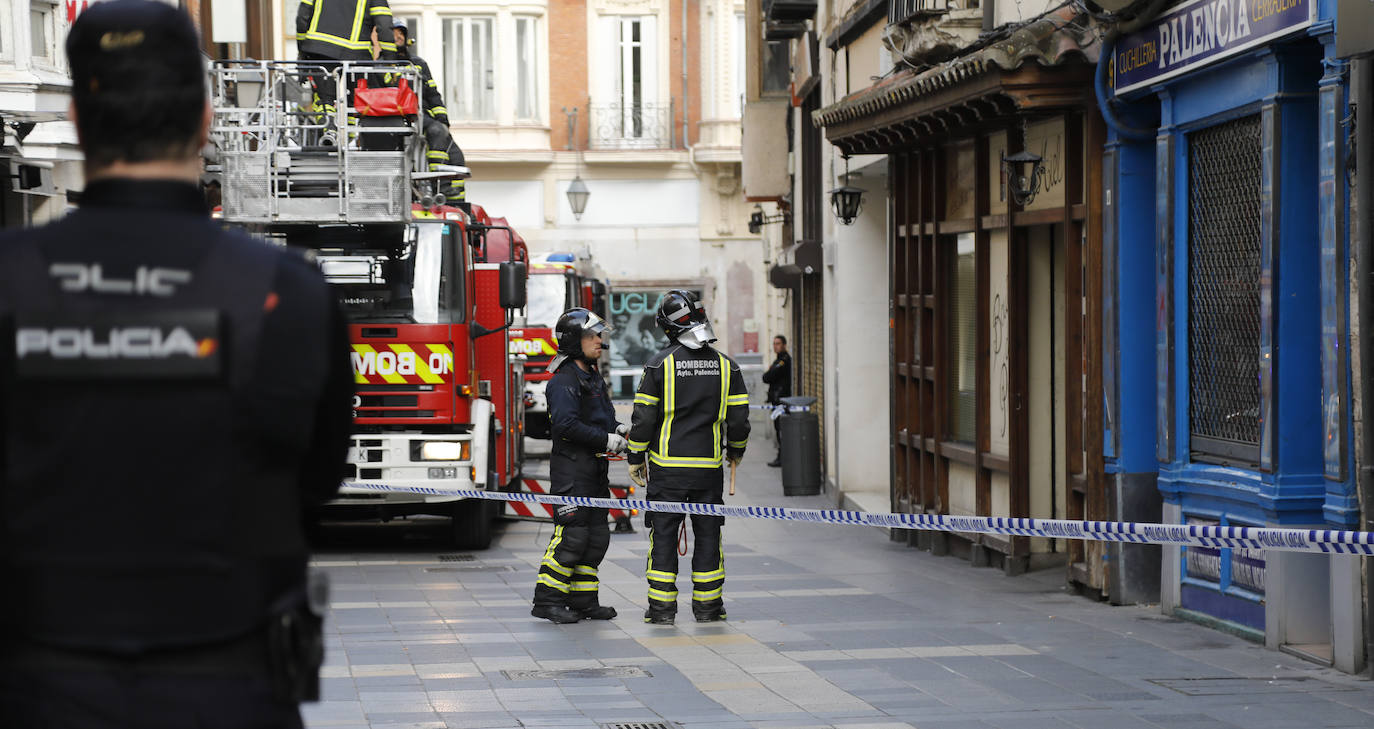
x=800 y=445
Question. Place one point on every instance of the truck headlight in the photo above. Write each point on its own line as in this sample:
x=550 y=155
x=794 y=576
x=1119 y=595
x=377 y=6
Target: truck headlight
x=444 y=450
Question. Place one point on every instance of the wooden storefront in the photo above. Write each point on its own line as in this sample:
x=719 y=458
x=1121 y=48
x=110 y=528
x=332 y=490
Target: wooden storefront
x=996 y=308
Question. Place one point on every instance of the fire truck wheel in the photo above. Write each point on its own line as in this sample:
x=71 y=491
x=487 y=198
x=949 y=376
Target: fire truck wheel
x=472 y=520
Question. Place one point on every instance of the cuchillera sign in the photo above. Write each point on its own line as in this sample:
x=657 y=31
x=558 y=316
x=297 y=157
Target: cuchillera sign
x=1196 y=33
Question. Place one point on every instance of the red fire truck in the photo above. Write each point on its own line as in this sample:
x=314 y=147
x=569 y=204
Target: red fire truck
x=557 y=282
x=438 y=406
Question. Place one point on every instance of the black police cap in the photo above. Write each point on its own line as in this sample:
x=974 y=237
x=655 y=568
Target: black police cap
x=133 y=44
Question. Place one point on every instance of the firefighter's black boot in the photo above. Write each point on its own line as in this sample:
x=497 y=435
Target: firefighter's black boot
x=600 y=612
x=561 y=614
x=659 y=617
x=709 y=615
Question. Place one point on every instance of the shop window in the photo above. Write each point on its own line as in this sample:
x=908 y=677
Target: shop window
x=1224 y=180
x=963 y=342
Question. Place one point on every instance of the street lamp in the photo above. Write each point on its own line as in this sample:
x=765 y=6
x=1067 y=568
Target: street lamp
x=847 y=202
x=1023 y=171
x=577 y=196
x=757 y=219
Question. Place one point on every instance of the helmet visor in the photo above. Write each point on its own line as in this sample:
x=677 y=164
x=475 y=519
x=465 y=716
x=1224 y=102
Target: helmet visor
x=697 y=336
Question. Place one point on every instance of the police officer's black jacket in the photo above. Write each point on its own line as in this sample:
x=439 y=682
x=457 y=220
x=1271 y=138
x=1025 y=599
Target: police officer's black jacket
x=689 y=403
x=580 y=417
x=342 y=29
x=778 y=377
x=175 y=400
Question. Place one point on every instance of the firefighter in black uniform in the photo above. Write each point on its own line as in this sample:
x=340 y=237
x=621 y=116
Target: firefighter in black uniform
x=584 y=433
x=174 y=404
x=691 y=414
x=329 y=31
x=442 y=149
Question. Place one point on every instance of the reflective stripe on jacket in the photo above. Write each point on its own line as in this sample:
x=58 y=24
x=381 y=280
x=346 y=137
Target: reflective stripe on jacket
x=691 y=409
x=342 y=29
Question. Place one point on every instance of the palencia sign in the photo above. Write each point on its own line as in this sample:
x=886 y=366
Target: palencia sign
x=1195 y=33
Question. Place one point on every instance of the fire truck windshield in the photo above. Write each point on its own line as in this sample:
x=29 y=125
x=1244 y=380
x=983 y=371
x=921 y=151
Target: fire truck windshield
x=411 y=283
x=547 y=299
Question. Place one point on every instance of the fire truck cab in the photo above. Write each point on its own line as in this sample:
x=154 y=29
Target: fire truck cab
x=434 y=413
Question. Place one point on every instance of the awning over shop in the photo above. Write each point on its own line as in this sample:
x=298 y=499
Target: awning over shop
x=1043 y=66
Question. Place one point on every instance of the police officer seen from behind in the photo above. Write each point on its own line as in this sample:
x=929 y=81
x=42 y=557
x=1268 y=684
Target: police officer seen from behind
x=175 y=402
x=584 y=433
x=691 y=414
x=779 y=381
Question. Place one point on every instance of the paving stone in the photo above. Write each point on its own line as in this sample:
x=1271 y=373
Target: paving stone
x=830 y=627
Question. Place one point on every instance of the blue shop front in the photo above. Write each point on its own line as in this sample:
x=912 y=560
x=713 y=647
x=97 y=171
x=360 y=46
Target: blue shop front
x=1226 y=257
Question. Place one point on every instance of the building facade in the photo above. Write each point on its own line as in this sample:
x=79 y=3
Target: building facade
x=641 y=100
x=39 y=161
x=1236 y=198
x=1115 y=284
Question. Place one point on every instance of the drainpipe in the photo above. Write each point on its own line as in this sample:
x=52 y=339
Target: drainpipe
x=1364 y=268
x=1124 y=130
x=686 y=107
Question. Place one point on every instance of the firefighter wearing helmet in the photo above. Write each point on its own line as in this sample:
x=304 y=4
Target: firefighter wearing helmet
x=691 y=415
x=584 y=432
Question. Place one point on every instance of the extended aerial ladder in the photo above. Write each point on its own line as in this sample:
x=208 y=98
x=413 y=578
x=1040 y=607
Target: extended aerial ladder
x=433 y=415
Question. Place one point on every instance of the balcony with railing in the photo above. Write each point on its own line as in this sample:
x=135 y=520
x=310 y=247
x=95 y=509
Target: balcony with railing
x=900 y=11
x=619 y=126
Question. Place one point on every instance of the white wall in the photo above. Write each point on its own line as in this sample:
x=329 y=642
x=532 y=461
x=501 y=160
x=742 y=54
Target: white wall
x=860 y=399
x=519 y=201
x=631 y=203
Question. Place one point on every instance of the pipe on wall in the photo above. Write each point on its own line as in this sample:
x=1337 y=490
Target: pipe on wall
x=1363 y=81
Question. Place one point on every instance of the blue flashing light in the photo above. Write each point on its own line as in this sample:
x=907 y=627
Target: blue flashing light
x=561 y=258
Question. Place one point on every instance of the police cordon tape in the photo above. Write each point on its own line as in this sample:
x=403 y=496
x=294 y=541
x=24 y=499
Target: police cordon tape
x=1328 y=541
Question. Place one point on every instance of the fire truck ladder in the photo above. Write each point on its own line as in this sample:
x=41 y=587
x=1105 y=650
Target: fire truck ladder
x=280 y=157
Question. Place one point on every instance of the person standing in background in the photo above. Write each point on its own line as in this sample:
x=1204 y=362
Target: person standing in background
x=778 y=377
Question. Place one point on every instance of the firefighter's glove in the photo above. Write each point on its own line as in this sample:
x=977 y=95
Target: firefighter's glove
x=615 y=444
x=622 y=429
x=639 y=473
x=733 y=460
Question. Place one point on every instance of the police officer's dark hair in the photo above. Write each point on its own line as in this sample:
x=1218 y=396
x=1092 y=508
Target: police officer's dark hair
x=784 y=339
x=138 y=82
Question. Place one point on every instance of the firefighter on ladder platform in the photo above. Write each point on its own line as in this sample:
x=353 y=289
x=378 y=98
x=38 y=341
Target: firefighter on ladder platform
x=691 y=401
x=585 y=433
x=330 y=31
x=442 y=149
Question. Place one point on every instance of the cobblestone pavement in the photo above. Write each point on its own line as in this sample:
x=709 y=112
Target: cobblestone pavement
x=829 y=626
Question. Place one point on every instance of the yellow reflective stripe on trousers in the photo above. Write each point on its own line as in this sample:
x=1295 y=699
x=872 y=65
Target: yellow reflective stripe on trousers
x=584 y=587
x=661 y=576
x=708 y=576
x=708 y=595
x=551 y=581
x=553 y=564
x=669 y=392
x=663 y=595
x=583 y=569
x=548 y=553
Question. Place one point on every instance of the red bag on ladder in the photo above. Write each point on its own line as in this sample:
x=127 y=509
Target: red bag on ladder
x=398 y=100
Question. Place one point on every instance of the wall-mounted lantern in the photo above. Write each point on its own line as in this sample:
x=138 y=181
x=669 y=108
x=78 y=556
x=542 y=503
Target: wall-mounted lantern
x=1024 y=171
x=757 y=219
